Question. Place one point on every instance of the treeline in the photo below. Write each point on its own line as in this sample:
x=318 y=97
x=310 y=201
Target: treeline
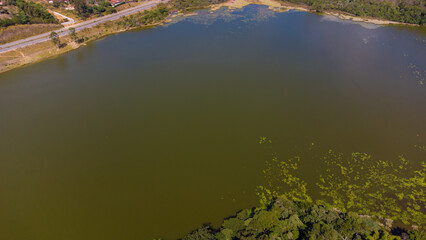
x=146 y=17
x=400 y=10
x=28 y=12
x=103 y=8
x=84 y=10
x=285 y=219
x=191 y=4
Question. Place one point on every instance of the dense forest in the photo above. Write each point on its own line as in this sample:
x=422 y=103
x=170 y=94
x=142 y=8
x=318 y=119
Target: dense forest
x=27 y=12
x=146 y=17
x=285 y=219
x=84 y=10
x=400 y=10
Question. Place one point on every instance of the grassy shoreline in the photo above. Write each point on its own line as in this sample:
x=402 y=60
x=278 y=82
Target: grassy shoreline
x=285 y=6
x=46 y=50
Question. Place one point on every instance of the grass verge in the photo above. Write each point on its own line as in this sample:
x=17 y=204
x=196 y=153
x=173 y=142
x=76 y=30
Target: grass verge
x=17 y=32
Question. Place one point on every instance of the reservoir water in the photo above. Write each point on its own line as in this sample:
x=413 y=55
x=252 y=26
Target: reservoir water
x=152 y=133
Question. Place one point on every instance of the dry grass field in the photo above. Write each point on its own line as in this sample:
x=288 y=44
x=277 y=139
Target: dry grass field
x=17 y=32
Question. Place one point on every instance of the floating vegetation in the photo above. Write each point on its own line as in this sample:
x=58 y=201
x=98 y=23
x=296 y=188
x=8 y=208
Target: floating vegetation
x=205 y=17
x=418 y=73
x=357 y=182
x=225 y=14
x=420 y=147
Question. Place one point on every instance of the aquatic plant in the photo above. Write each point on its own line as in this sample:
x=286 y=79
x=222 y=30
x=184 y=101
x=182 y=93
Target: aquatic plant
x=387 y=190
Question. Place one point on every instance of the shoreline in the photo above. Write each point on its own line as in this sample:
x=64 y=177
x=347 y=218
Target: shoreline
x=280 y=6
x=39 y=52
x=43 y=51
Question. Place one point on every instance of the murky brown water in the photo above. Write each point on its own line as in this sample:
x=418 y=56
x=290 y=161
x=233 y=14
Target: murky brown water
x=152 y=133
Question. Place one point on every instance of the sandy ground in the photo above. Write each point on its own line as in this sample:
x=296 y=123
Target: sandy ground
x=235 y=4
x=362 y=19
x=282 y=7
x=32 y=54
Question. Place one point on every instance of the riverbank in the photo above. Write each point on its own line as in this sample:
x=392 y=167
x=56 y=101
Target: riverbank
x=151 y=133
x=286 y=6
x=45 y=50
x=18 y=32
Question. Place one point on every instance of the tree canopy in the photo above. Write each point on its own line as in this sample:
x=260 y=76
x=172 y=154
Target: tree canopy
x=358 y=182
x=286 y=219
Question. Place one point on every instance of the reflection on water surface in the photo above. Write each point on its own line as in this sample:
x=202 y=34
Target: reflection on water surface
x=152 y=133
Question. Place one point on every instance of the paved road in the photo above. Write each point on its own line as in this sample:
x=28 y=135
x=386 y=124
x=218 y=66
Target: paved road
x=78 y=27
x=69 y=22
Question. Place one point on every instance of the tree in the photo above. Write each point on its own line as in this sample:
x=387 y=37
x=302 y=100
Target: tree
x=73 y=35
x=203 y=233
x=81 y=8
x=291 y=220
x=56 y=3
x=389 y=190
x=318 y=6
x=54 y=37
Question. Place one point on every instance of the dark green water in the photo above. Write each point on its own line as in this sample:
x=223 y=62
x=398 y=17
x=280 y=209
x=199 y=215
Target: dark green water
x=152 y=133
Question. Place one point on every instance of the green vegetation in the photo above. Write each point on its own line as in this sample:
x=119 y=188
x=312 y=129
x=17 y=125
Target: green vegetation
x=84 y=10
x=391 y=190
x=400 y=10
x=54 y=37
x=73 y=35
x=81 y=8
x=103 y=8
x=56 y=3
x=286 y=219
x=146 y=17
x=366 y=196
x=192 y=4
x=374 y=187
x=27 y=12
